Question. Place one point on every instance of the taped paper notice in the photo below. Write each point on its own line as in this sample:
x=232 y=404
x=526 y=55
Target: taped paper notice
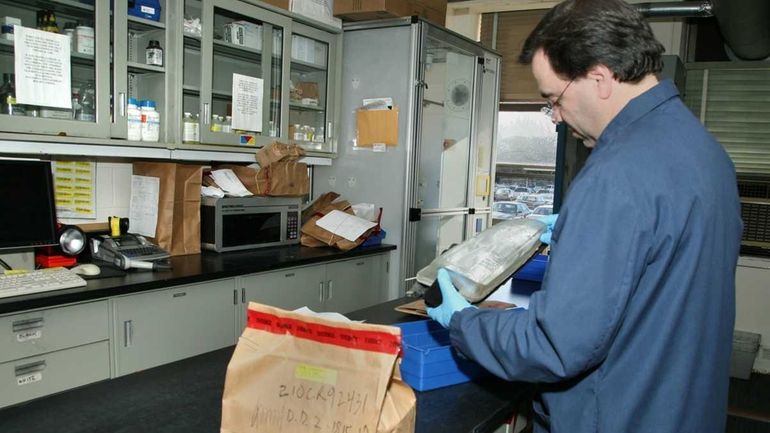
x=42 y=66
x=247 y=103
x=143 y=208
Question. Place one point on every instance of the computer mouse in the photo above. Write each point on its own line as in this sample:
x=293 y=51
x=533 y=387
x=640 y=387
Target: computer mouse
x=86 y=269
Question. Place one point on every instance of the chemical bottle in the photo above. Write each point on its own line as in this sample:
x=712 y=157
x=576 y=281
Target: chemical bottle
x=87 y=103
x=8 y=103
x=227 y=125
x=216 y=123
x=150 y=121
x=189 y=129
x=154 y=53
x=134 y=116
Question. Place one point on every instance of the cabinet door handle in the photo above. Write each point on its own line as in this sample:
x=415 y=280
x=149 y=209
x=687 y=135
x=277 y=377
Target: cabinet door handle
x=321 y=291
x=122 y=103
x=128 y=333
x=27 y=324
x=32 y=367
x=235 y=297
x=329 y=287
x=329 y=131
x=205 y=113
x=243 y=295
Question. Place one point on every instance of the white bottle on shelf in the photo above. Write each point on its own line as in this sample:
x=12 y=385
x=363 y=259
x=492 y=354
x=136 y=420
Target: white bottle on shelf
x=189 y=129
x=150 y=122
x=134 y=116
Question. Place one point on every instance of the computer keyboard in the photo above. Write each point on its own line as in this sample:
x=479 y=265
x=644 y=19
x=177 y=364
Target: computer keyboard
x=41 y=280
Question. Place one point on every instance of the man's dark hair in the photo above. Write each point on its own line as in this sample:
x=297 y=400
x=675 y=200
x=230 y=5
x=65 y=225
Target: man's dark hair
x=576 y=35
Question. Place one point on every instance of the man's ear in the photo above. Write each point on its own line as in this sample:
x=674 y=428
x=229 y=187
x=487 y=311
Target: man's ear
x=604 y=80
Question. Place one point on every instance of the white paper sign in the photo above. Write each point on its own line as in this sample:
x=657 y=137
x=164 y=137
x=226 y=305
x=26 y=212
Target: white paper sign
x=343 y=224
x=143 y=207
x=42 y=67
x=247 y=103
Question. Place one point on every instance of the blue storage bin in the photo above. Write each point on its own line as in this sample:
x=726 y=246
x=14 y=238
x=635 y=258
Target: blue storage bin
x=533 y=270
x=429 y=360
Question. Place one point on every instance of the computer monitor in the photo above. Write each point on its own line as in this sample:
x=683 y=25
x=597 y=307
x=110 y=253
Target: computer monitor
x=28 y=213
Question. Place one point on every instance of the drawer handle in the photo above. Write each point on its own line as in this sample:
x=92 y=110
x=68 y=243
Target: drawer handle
x=329 y=288
x=26 y=324
x=321 y=291
x=360 y=263
x=128 y=333
x=289 y=275
x=32 y=367
x=179 y=295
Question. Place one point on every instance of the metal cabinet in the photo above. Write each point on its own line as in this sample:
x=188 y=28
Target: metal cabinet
x=435 y=184
x=341 y=286
x=89 y=62
x=155 y=328
x=50 y=350
x=206 y=43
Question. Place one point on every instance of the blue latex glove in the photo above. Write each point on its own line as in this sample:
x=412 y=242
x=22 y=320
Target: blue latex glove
x=451 y=300
x=550 y=221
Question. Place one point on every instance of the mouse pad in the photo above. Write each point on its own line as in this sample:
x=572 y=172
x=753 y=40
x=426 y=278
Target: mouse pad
x=107 y=271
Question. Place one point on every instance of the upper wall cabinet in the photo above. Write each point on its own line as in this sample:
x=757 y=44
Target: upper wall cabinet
x=54 y=61
x=223 y=75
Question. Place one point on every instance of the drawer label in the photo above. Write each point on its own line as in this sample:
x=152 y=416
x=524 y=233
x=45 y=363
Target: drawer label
x=29 y=378
x=32 y=334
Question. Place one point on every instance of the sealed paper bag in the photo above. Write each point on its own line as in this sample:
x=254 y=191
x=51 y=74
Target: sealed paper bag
x=318 y=204
x=276 y=151
x=377 y=127
x=283 y=179
x=179 y=204
x=293 y=373
x=311 y=229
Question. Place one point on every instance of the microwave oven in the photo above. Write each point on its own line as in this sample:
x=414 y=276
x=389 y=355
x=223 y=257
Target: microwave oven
x=240 y=223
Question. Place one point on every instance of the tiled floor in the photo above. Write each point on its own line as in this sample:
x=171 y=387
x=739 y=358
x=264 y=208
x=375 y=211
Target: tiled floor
x=749 y=405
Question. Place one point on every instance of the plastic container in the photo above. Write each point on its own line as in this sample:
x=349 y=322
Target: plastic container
x=745 y=347
x=227 y=125
x=84 y=40
x=134 y=116
x=429 y=360
x=87 y=103
x=147 y=9
x=150 y=122
x=189 y=128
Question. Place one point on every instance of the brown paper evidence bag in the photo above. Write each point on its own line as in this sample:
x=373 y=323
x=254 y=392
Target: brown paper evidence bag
x=293 y=373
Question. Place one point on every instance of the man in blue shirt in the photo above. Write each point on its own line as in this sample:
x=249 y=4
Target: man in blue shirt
x=632 y=329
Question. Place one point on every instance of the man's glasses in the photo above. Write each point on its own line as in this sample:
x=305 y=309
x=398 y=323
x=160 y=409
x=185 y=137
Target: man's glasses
x=549 y=106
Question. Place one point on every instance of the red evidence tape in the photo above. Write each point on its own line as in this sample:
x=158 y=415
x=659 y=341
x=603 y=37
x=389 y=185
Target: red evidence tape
x=373 y=341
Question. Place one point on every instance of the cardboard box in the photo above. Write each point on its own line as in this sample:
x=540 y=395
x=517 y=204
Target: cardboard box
x=361 y=10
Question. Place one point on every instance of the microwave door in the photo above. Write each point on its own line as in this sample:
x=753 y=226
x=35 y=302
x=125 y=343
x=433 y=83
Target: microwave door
x=252 y=228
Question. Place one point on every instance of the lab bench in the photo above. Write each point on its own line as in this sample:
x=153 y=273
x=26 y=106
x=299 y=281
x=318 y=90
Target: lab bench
x=185 y=396
x=114 y=326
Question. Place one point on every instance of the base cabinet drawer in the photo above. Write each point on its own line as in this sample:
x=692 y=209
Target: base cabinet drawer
x=43 y=331
x=36 y=376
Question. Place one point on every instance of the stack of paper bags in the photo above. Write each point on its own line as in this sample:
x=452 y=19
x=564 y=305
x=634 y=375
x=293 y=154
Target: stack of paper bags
x=327 y=222
x=280 y=173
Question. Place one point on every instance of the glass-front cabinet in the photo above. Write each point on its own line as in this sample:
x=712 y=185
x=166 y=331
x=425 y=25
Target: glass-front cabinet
x=54 y=63
x=191 y=74
x=311 y=95
x=139 y=85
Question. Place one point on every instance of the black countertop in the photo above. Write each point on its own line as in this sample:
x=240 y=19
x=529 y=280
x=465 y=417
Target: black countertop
x=186 y=397
x=194 y=268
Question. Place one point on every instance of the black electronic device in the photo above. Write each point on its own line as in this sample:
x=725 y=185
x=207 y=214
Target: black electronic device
x=122 y=251
x=28 y=218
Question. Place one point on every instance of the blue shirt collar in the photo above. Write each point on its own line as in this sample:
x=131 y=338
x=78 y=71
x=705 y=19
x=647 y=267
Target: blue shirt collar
x=636 y=108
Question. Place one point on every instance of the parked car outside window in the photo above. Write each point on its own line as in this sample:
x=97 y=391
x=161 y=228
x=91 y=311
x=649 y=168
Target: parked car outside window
x=505 y=210
x=539 y=211
x=531 y=200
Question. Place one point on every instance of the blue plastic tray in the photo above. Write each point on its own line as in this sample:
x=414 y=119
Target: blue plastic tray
x=429 y=360
x=533 y=270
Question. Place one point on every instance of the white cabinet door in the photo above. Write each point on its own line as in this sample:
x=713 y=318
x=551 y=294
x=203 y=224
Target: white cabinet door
x=353 y=284
x=160 y=327
x=288 y=288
